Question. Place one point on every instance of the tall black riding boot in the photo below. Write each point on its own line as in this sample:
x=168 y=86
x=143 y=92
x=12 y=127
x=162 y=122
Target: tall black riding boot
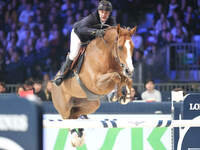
x=63 y=70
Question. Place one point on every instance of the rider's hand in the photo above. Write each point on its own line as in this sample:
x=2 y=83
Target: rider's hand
x=99 y=33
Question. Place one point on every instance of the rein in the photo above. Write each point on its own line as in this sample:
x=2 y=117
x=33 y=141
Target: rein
x=122 y=65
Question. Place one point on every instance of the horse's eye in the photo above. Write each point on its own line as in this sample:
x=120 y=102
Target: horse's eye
x=120 y=47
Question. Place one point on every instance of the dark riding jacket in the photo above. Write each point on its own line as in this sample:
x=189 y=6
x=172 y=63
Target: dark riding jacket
x=86 y=26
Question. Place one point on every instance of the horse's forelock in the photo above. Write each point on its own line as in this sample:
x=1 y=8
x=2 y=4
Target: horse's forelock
x=111 y=31
x=125 y=31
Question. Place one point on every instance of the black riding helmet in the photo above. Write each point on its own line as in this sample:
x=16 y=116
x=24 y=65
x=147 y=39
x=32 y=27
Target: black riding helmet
x=105 y=5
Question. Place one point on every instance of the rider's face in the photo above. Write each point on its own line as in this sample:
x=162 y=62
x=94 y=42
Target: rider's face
x=103 y=14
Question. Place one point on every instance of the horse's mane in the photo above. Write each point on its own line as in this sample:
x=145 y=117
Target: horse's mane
x=110 y=33
x=125 y=30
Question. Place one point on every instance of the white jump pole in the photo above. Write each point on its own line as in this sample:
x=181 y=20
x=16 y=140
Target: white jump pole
x=121 y=123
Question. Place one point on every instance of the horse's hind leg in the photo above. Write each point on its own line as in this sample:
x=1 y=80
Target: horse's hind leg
x=77 y=137
x=83 y=107
x=61 y=102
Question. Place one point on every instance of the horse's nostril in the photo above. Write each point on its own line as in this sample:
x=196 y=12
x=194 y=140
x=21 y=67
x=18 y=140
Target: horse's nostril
x=127 y=71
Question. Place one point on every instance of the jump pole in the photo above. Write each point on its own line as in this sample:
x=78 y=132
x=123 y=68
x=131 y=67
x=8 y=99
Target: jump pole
x=120 y=123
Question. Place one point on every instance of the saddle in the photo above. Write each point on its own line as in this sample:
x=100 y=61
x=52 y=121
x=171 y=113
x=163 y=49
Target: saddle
x=77 y=63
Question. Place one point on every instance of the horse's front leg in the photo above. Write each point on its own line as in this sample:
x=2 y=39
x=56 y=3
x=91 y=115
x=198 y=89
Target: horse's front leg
x=108 y=80
x=127 y=83
x=111 y=81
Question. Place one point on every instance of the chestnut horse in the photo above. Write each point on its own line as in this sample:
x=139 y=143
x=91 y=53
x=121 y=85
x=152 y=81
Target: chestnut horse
x=107 y=64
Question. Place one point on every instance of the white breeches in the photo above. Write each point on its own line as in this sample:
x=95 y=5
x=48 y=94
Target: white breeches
x=75 y=44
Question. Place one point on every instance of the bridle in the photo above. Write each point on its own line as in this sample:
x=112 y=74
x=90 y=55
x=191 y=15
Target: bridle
x=124 y=68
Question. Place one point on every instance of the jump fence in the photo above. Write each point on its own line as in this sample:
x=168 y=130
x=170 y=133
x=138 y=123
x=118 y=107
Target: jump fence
x=123 y=123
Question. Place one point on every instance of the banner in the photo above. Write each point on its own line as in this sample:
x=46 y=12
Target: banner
x=113 y=138
x=20 y=123
x=189 y=137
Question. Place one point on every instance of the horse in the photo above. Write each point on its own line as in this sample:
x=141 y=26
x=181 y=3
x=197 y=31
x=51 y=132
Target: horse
x=107 y=65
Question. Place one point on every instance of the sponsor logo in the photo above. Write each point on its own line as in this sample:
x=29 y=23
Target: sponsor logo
x=9 y=144
x=194 y=106
x=14 y=123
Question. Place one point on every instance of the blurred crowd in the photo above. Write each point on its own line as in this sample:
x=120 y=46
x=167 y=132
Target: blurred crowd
x=171 y=21
x=42 y=89
x=34 y=35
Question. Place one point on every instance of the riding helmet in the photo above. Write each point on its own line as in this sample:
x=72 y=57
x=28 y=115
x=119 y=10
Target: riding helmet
x=105 y=5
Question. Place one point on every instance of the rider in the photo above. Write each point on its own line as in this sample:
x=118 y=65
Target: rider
x=85 y=30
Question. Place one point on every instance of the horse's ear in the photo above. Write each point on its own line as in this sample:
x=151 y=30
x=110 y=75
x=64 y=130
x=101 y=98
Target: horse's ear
x=118 y=28
x=133 y=30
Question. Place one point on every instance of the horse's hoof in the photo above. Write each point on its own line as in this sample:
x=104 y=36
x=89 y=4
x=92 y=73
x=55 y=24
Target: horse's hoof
x=123 y=100
x=112 y=96
x=77 y=140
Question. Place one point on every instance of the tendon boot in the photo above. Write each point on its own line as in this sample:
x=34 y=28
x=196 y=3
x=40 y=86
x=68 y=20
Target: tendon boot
x=64 y=70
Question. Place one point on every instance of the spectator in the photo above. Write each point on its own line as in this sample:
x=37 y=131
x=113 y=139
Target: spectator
x=28 y=60
x=169 y=37
x=150 y=61
x=68 y=26
x=47 y=91
x=11 y=13
x=25 y=14
x=28 y=85
x=138 y=41
x=159 y=11
x=138 y=65
x=179 y=37
x=2 y=87
x=24 y=90
x=67 y=5
x=23 y=34
x=15 y=72
x=135 y=95
x=39 y=91
x=151 y=94
x=172 y=20
x=20 y=89
x=11 y=40
x=163 y=21
x=179 y=32
x=45 y=80
x=189 y=20
x=2 y=38
x=42 y=41
x=172 y=6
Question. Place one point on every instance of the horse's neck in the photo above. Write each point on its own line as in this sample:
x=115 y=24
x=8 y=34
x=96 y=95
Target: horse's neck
x=111 y=45
x=111 y=35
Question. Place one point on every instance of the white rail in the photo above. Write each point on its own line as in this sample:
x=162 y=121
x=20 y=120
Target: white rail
x=118 y=123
